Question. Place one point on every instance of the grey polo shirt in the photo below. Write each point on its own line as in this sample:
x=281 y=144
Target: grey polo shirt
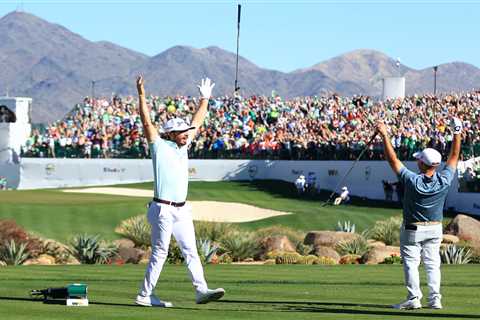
x=425 y=196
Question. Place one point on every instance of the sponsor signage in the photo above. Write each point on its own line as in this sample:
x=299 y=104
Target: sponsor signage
x=114 y=170
x=332 y=172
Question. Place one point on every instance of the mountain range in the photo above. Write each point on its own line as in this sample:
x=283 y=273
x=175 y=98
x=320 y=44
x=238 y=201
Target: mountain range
x=56 y=68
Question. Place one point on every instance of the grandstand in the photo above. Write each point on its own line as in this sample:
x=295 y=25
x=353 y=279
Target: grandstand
x=254 y=131
x=259 y=127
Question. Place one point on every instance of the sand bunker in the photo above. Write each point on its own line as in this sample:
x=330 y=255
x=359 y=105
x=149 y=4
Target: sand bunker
x=201 y=210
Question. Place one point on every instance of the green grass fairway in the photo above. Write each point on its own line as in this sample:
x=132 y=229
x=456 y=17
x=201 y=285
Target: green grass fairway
x=59 y=215
x=253 y=292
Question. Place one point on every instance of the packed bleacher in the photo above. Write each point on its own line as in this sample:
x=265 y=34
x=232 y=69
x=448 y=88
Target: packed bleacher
x=261 y=127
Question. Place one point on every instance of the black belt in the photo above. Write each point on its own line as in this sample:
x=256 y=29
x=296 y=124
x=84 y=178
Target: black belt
x=170 y=203
x=414 y=226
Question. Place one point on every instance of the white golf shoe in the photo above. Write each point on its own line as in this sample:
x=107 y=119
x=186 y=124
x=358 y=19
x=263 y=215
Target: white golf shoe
x=152 y=301
x=435 y=303
x=209 y=295
x=413 y=303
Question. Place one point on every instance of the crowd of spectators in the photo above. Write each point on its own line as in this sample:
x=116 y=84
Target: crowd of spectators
x=265 y=127
x=469 y=176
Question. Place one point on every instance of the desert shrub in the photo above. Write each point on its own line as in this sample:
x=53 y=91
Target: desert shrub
x=225 y=258
x=174 y=253
x=345 y=226
x=475 y=259
x=58 y=250
x=293 y=235
x=206 y=250
x=358 y=246
x=393 y=259
x=304 y=249
x=88 y=249
x=387 y=231
x=452 y=254
x=11 y=231
x=13 y=253
x=213 y=231
x=445 y=223
x=136 y=229
x=240 y=245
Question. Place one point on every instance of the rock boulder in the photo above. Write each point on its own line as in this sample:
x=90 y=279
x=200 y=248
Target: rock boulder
x=278 y=243
x=323 y=251
x=43 y=259
x=378 y=254
x=465 y=228
x=328 y=238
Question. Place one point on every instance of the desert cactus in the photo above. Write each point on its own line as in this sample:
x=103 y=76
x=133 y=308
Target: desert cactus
x=288 y=258
x=310 y=259
x=325 y=261
x=274 y=254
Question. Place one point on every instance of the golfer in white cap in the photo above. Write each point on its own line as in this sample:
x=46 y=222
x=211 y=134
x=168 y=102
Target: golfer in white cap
x=300 y=184
x=167 y=213
x=421 y=232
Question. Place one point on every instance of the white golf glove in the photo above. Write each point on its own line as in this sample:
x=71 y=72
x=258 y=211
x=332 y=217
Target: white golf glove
x=456 y=125
x=205 y=88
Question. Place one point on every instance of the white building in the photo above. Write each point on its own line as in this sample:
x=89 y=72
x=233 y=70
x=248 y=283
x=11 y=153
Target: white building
x=393 y=88
x=15 y=128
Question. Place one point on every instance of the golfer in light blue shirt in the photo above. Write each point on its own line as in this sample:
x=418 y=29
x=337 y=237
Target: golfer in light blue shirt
x=424 y=198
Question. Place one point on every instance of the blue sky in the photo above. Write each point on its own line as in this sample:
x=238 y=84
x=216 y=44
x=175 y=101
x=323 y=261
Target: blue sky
x=280 y=35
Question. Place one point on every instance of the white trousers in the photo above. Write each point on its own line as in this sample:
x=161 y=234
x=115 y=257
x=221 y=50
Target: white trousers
x=423 y=243
x=165 y=220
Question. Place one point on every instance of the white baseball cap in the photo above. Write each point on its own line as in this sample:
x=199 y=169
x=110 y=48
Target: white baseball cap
x=429 y=156
x=176 y=124
x=344 y=188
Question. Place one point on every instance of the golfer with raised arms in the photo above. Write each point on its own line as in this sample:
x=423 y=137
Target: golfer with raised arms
x=167 y=213
x=421 y=231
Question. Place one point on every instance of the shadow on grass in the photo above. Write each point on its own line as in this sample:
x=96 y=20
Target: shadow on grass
x=291 y=306
x=346 y=304
x=328 y=307
x=21 y=299
x=62 y=302
x=112 y=304
x=404 y=313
